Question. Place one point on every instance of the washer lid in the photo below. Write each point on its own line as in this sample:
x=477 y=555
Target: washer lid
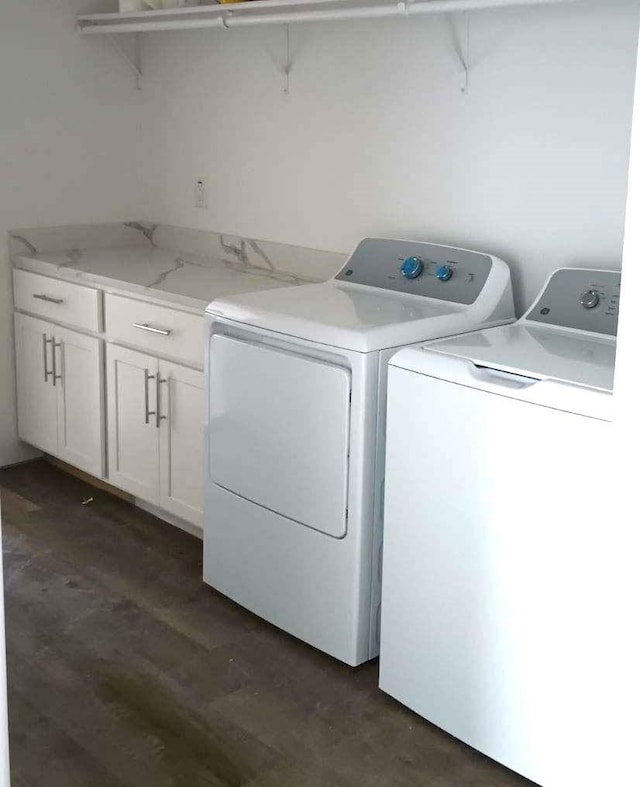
x=527 y=350
x=349 y=316
x=548 y=367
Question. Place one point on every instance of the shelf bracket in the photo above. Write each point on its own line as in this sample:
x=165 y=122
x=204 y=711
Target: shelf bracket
x=464 y=51
x=133 y=60
x=288 y=63
x=461 y=41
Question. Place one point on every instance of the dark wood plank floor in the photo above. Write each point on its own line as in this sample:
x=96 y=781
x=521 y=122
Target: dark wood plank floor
x=125 y=669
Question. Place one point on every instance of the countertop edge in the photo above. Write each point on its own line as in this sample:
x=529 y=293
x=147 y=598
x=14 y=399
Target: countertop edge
x=109 y=285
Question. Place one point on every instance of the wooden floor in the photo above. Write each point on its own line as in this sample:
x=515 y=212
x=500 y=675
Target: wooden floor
x=125 y=669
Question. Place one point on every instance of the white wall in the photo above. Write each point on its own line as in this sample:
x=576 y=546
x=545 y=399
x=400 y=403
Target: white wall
x=376 y=137
x=624 y=446
x=69 y=121
x=627 y=380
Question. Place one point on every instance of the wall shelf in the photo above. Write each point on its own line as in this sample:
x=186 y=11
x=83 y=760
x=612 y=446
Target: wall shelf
x=284 y=12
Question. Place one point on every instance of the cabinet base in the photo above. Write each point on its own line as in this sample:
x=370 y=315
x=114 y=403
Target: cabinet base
x=188 y=527
x=89 y=479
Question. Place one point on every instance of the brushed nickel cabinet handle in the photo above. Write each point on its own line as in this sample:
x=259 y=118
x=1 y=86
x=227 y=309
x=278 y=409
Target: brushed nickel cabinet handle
x=143 y=326
x=159 y=417
x=48 y=299
x=45 y=342
x=56 y=376
x=147 y=413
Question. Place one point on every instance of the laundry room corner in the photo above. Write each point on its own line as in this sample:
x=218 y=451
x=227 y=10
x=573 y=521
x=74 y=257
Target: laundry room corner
x=318 y=393
x=69 y=136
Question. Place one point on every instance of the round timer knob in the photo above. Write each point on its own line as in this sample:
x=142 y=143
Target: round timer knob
x=589 y=299
x=412 y=267
x=444 y=272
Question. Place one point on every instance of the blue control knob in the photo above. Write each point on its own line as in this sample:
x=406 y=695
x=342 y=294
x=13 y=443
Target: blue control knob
x=412 y=267
x=444 y=273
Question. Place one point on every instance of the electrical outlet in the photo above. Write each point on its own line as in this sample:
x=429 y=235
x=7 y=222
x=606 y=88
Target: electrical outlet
x=200 y=194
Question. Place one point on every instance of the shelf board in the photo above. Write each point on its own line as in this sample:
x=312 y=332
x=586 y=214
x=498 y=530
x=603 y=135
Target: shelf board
x=258 y=12
x=194 y=17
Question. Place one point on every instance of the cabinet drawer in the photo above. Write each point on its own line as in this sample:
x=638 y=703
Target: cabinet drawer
x=154 y=328
x=61 y=301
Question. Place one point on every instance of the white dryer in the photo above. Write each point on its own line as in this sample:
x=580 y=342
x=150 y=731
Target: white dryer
x=296 y=396
x=499 y=594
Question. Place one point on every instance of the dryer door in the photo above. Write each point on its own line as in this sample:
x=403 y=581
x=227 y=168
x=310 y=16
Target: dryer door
x=279 y=431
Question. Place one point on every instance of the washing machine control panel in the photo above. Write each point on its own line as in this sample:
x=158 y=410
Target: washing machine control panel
x=427 y=269
x=577 y=298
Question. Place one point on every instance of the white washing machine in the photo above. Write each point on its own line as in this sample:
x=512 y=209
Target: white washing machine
x=296 y=396
x=500 y=598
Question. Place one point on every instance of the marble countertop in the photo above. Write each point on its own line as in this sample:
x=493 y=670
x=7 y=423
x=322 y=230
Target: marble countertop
x=213 y=266
x=160 y=273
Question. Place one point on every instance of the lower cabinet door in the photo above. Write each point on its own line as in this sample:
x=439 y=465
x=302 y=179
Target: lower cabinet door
x=79 y=383
x=37 y=408
x=133 y=422
x=181 y=408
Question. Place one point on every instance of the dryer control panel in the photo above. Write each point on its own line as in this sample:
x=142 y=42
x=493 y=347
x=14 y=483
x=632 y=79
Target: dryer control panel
x=579 y=298
x=427 y=269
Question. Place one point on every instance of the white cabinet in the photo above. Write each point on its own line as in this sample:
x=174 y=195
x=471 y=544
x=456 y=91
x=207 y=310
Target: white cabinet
x=155 y=430
x=60 y=383
x=37 y=406
x=152 y=411
x=155 y=329
x=57 y=300
x=181 y=406
x=80 y=399
x=132 y=430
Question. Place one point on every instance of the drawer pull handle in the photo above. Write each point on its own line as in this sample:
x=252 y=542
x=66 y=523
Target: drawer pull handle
x=147 y=412
x=159 y=417
x=56 y=376
x=143 y=326
x=48 y=298
x=45 y=341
